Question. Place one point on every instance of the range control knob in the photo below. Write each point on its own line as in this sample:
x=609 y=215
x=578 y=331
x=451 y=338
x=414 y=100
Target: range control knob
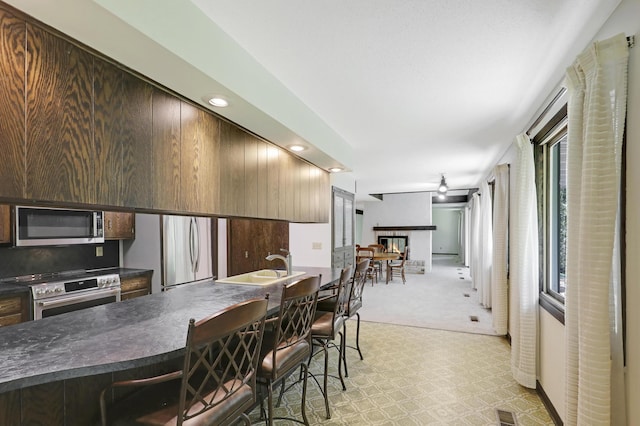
x=58 y=289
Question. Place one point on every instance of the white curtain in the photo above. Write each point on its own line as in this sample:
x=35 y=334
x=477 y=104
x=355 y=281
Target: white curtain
x=597 y=87
x=524 y=268
x=476 y=258
x=486 y=246
x=499 y=285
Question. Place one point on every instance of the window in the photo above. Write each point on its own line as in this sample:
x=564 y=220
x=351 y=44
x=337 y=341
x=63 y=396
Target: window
x=550 y=152
x=556 y=217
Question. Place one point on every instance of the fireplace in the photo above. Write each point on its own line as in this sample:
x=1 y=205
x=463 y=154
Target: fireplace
x=394 y=244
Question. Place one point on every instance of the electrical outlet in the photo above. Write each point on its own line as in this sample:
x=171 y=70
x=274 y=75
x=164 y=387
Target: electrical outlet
x=99 y=251
x=316 y=246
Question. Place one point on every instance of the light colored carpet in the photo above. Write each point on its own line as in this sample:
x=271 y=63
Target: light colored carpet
x=435 y=299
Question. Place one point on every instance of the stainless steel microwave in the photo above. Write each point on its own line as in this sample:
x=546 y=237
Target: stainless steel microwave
x=45 y=226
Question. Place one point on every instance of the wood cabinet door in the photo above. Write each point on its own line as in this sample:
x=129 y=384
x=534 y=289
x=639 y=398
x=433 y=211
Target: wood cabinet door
x=14 y=309
x=302 y=194
x=232 y=173
x=136 y=286
x=275 y=193
x=12 y=111
x=119 y=226
x=250 y=177
x=122 y=134
x=5 y=224
x=59 y=118
x=166 y=151
x=199 y=160
x=250 y=241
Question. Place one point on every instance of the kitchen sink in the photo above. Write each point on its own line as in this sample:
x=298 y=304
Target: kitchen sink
x=261 y=277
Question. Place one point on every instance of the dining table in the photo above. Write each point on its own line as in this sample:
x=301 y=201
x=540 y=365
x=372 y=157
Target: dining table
x=381 y=257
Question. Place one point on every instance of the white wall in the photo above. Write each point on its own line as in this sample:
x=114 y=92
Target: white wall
x=401 y=210
x=144 y=251
x=222 y=247
x=310 y=244
x=445 y=238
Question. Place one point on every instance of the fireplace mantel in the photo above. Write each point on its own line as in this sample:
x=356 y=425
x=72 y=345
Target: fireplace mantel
x=405 y=228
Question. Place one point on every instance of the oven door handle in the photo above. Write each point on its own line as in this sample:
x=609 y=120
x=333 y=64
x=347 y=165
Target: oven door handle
x=81 y=298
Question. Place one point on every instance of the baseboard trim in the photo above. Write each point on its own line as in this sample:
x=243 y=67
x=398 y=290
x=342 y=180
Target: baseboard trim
x=548 y=405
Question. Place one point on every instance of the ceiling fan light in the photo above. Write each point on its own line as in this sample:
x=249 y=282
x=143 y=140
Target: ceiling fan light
x=443 y=186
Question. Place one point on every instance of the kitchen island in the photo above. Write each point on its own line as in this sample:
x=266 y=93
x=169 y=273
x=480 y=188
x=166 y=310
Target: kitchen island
x=63 y=361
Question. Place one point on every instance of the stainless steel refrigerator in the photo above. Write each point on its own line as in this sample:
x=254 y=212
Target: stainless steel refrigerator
x=186 y=248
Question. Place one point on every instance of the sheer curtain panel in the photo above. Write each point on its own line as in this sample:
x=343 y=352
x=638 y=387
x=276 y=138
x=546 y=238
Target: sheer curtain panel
x=597 y=87
x=524 y=268
x=476 y=258
x=486 y=245
x=499 y=285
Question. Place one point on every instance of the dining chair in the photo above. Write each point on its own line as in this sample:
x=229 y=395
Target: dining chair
x=378 y=248
x=398 y=267
x=287 y=342
x=327 y=325
x=353 y=306
x=217 y=382
x=354 y=303
x=367 y=253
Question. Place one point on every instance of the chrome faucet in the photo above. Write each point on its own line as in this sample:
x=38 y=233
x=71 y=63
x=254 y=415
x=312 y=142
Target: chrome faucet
x=286 y=260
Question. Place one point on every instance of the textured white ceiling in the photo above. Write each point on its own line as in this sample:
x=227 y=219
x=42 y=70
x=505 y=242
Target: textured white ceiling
x=398 y=91
x=416 y=87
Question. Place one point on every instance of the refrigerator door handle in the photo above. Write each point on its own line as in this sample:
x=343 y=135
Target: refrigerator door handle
x=196 y=244
x=191 y=247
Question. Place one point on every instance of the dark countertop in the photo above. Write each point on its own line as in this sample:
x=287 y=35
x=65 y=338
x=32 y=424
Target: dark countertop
x=119 y=336
x=11 y=289
x=8 y=289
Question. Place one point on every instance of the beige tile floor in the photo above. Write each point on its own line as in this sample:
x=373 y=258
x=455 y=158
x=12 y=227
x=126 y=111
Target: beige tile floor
x=420 y=376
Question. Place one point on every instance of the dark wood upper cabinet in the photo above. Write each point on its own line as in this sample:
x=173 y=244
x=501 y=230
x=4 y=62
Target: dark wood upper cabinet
x=76 y=128
x=199 y=160
x=119 y=226
x=13 y=33
x=5 y=224
x=263 y=180
x=325 y=197
x=273 y=193
x=232 y=176
x=303 y=198
x=287 y=187
x=123 y=137
x=60 y=149
x=166 y=151
x=251 y=177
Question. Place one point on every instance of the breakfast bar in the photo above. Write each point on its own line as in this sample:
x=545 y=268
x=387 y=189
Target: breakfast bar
x=91 y=345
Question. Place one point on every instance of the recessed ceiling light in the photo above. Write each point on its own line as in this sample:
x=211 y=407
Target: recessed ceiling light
x=218 y=101
x=335 y=169
x=297 y=148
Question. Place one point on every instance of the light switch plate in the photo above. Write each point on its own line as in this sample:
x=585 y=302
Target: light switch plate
x=316 y=246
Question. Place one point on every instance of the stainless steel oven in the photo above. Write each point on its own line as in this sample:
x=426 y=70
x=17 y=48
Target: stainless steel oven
x=73 y=292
